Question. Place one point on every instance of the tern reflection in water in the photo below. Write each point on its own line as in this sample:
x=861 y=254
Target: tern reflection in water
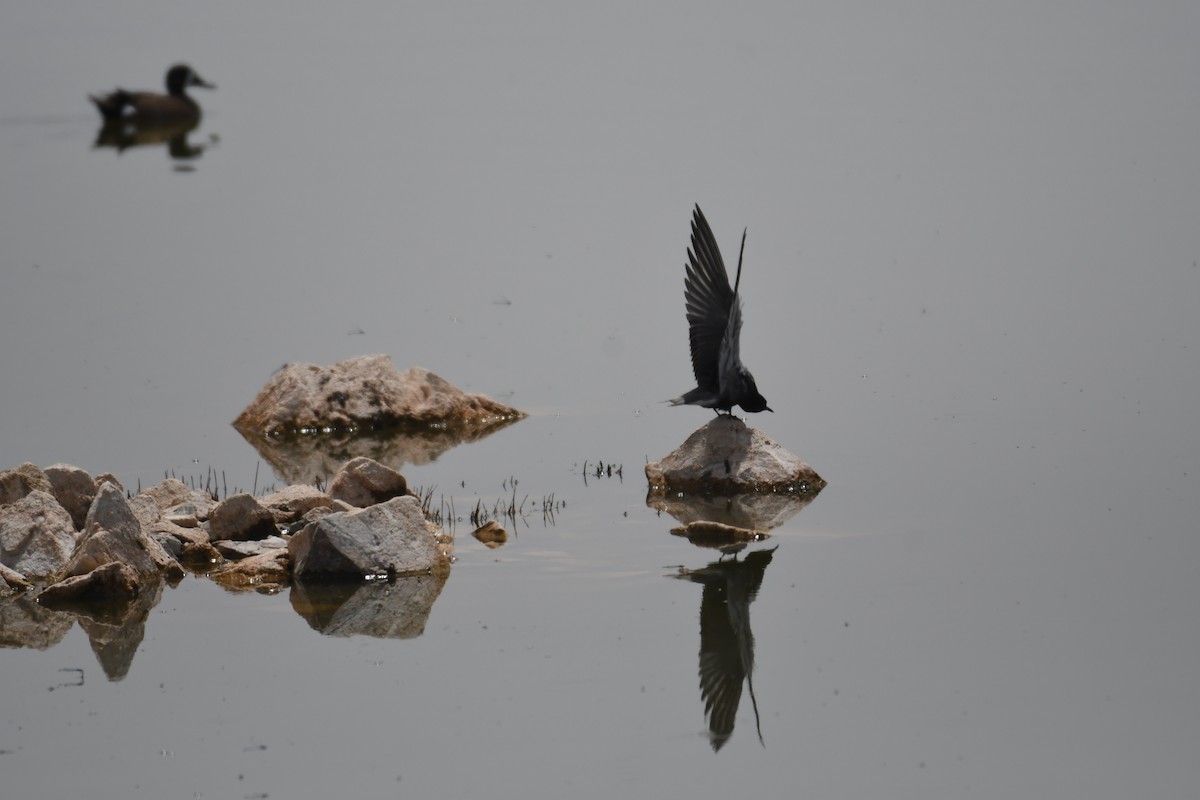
x=726 y=642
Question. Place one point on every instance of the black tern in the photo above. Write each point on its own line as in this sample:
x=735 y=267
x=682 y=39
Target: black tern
x=714 y=313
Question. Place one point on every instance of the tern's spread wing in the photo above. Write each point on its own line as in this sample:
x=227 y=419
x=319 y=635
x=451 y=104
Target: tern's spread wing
x=714 y=318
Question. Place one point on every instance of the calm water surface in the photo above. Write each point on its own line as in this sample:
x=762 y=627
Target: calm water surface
x=970 y=287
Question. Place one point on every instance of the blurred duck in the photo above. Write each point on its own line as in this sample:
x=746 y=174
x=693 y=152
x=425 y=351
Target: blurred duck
x=148 y=108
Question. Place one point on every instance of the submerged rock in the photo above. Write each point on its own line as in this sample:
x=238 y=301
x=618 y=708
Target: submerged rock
x=37 y=535
x=363 y=482
x=389 y=539
x=726 y=457
x=366 y=392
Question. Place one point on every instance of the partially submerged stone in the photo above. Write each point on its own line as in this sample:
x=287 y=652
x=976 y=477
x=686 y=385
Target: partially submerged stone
x=363 y=482
x=387 y=539
x=37 y=535
x=364 y=393
x=726 y=457
x=267 y=571
x=241 y=517
x=111 y=582
x=12 y=581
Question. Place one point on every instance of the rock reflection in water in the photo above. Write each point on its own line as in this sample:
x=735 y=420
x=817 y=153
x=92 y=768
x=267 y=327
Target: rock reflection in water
x=122 y=134
x=307 y=458
x=726 y=642
x=384 y=609
x=115 y=630
x=760 y=512
x=24 y=623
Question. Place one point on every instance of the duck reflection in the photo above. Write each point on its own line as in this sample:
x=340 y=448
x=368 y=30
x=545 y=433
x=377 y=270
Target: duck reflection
x=123 y=134
x=726 y=641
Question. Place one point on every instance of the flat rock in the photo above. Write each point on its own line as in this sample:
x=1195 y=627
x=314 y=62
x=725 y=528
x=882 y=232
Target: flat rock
x=726 y=457
x=236 y=551
x=109 y=582
x=241 y=517
x=74 y=489
x=37 y=535
x=265 y=571
x=366 y=392
x=390 y=538
x=20 y=481
x=113 y=533
x=363 y=482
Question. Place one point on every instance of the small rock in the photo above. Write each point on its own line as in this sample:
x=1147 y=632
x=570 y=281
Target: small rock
x=12 y=580
x=37 y=535
x=240 y=517
x=389 y=538
x=18 y=482
x=74 y=489
x=726 y=457
x=363 y=482
x=198 y=553
x=109 y=582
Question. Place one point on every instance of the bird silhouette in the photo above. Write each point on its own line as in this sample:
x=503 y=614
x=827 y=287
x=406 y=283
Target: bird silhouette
x=714 y=313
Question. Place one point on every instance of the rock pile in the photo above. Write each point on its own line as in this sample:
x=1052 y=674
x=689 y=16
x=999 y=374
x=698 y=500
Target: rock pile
x=85 y=539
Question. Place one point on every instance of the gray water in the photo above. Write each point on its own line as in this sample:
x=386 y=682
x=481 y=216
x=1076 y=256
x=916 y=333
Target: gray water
x=970 y=281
